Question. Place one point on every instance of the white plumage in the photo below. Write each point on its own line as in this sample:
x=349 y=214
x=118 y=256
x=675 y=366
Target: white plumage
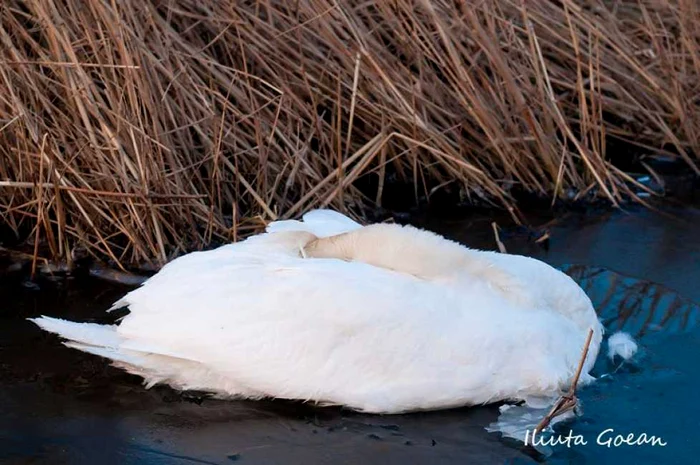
x=381 y=318
x=622 y=345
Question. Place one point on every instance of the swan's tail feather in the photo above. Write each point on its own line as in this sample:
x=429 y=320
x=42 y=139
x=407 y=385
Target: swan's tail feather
x=90 y=334
x=130 y=362
x=100 y=340
x=104 y=341
x=320 y=223
x=115 y=355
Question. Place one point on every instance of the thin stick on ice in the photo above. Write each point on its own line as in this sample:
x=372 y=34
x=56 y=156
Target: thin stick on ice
x=568 y=401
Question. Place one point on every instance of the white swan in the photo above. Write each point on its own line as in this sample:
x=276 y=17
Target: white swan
x=382 y=318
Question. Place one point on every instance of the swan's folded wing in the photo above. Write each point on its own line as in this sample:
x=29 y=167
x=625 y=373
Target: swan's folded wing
x=320 y=223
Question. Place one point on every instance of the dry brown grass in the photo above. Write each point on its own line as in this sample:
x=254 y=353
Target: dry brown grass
x=143 y=129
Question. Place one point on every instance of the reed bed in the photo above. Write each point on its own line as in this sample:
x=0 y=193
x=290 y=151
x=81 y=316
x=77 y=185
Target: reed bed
x=138 y=130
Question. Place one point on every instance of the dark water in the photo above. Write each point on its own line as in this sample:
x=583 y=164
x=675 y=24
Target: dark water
x=642 y=270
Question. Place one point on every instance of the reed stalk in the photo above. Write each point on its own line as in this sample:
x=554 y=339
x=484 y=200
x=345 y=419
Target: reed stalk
x=140 y=130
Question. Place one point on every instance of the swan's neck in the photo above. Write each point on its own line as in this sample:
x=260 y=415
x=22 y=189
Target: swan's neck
x=416 y=252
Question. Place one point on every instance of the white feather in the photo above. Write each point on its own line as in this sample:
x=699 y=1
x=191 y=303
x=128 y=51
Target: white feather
x=369 y=328
x=86 y=333
x=622 y=345
x=320 y=223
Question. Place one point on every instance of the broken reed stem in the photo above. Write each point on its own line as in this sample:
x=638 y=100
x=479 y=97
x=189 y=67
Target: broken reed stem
x=66 y=64
x=568 y=401
x=97 y=193
x=497 y=237
x=40 y=206
x=584 y=354
x=166 y=117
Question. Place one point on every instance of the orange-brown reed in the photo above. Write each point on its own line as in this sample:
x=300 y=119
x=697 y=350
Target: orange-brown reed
x=143 y=129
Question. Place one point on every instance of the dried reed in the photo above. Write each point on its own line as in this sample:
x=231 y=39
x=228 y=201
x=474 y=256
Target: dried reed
x=143 y=129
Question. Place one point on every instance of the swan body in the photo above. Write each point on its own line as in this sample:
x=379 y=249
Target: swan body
x=382 y=318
